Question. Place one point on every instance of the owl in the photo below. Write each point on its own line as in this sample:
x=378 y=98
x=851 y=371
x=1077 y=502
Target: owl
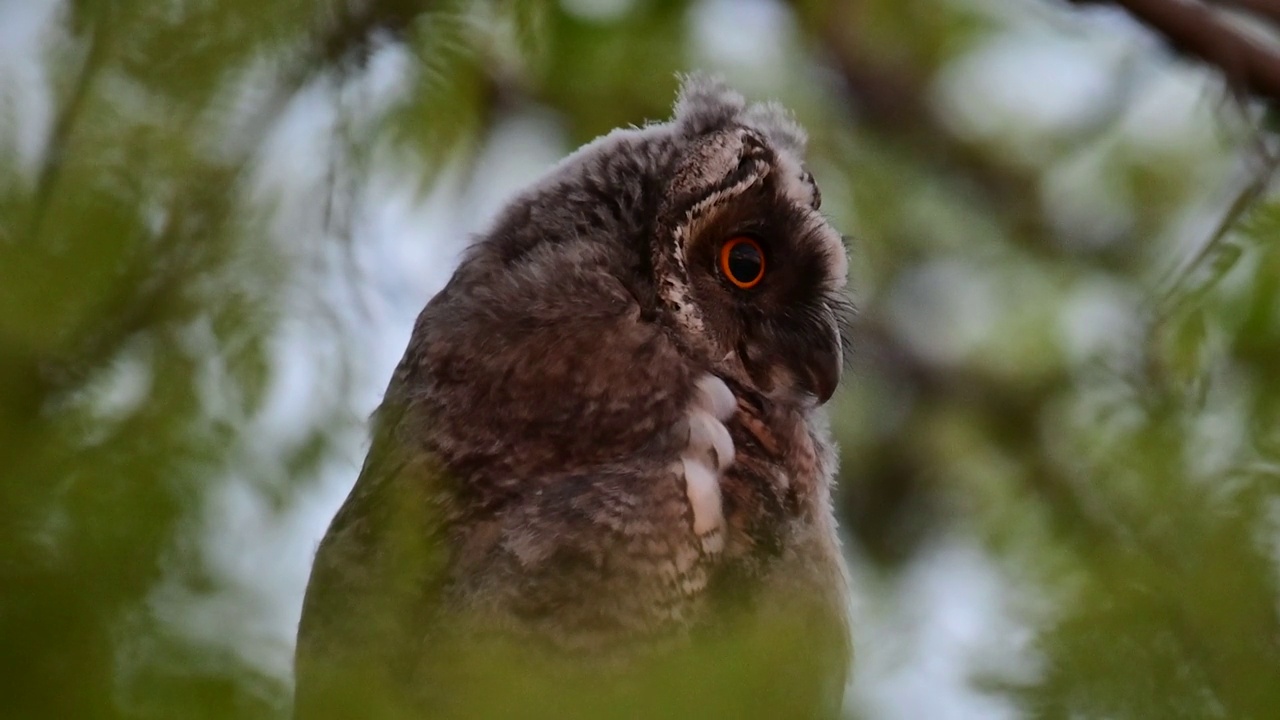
x=600 y=479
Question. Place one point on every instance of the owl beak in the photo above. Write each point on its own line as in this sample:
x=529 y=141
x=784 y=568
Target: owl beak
x=803 y=365
x=822 y=374
x=817 y=366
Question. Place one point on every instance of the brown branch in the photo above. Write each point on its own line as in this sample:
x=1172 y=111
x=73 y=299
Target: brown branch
x=1194 y=29
x=1265 y=9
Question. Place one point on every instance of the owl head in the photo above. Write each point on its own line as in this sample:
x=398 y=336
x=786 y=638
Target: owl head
x=711 y=224
x=750 y=269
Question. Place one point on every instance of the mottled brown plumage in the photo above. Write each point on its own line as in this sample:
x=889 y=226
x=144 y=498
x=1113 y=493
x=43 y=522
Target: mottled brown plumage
x=600 y=479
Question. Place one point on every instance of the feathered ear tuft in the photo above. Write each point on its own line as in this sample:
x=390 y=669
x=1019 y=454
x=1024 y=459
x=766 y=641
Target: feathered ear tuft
x=706 y=103
x=777 y=124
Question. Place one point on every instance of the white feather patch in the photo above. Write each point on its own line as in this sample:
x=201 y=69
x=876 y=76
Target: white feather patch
x=709 y=436
x=708 y=453
x=715 y=397
x=703 y=488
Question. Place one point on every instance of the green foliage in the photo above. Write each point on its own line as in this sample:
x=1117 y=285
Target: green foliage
x=1099 y=409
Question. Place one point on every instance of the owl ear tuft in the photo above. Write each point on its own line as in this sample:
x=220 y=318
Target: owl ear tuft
x=706 y=103
x=778 y=124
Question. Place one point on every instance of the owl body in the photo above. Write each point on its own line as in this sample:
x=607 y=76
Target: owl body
x=600 y=478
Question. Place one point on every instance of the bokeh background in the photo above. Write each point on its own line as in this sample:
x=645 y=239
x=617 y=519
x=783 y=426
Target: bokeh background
x=1060 y=482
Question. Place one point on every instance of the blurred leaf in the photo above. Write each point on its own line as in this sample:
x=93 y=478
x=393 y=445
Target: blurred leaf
x=1120 y=467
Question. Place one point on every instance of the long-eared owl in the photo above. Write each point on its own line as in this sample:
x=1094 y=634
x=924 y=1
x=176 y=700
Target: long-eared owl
x=600 y=479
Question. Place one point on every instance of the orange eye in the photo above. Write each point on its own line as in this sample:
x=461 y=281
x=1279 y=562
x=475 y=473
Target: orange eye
x=742 y=261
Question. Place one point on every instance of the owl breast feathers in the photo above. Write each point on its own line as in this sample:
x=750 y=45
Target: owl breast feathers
x=599 y=484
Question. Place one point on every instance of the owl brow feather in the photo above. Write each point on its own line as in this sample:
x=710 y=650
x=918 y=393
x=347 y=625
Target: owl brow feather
x=736 y=184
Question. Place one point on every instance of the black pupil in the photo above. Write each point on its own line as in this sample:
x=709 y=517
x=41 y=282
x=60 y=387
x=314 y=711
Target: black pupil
x=745 y=263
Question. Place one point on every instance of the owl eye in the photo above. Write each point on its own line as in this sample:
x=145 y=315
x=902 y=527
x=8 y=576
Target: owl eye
x=742 y=261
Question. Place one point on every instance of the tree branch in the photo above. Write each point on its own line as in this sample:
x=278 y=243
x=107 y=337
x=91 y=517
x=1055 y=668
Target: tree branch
x=1267 y=9
x=1195 y=29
